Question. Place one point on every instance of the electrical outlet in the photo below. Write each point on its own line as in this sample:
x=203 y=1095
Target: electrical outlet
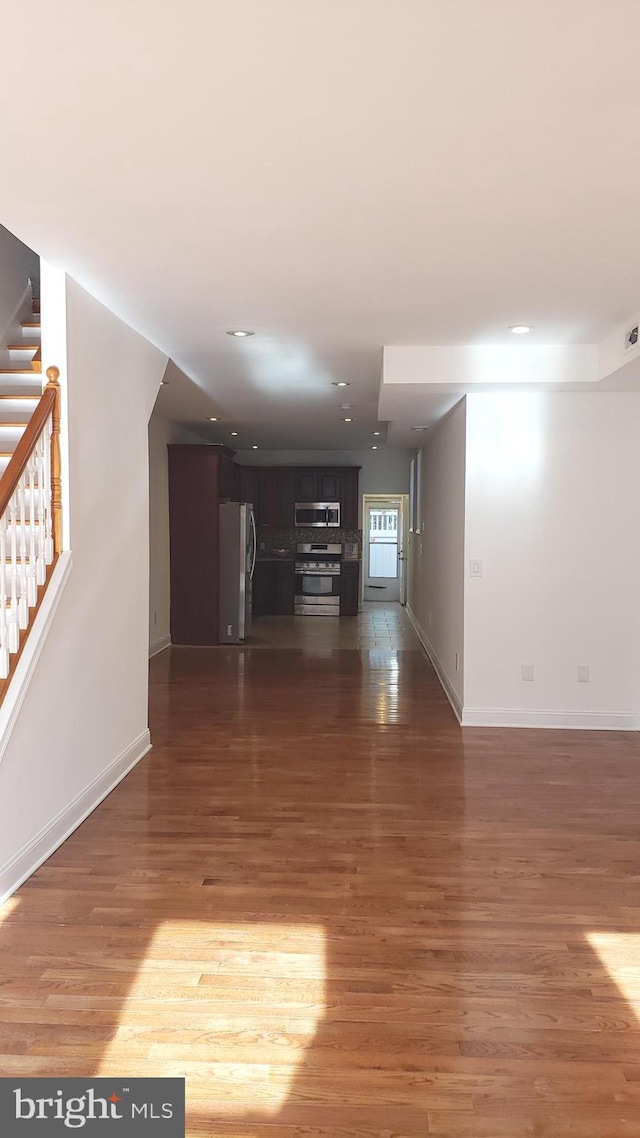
x=262 y=546
x=527 y=671
x=583 y=673
x=229 y=630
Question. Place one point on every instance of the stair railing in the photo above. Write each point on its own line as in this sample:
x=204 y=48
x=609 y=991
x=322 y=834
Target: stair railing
x=30 y=525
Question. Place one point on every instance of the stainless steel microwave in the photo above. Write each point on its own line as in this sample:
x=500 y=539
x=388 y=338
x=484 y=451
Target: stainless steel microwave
x=321 y=514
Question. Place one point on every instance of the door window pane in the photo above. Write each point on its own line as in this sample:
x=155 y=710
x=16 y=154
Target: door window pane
x=383 y=543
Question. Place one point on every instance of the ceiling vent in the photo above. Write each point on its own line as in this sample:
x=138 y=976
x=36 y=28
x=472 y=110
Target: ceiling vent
x=631 y=338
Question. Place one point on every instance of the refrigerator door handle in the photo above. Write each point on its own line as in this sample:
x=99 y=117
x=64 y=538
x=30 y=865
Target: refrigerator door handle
x=255 y=545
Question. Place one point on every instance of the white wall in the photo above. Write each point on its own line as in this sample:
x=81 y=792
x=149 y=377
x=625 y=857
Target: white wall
x=384 y=471
x=17 y=264
x=552 y=491
x=84 y=720
x=436 y=554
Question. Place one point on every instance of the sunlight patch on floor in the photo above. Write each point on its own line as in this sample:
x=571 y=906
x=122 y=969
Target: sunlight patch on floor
x=620 y=955
x=9 y=907
x=232 y=1008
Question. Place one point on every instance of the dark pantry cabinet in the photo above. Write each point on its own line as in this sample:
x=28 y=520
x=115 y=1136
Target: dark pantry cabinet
x=200 y=477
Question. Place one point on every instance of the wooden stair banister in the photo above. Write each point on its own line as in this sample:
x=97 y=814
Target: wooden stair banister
x=47 y=404
x=30 y=525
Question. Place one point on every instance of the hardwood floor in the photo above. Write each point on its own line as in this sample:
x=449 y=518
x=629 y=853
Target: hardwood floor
x=337 y=914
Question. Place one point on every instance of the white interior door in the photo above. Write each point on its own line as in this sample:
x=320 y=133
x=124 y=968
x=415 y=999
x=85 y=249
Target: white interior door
x=382 y=539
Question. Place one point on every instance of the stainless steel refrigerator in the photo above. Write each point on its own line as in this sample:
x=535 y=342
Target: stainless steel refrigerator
x=237 y=563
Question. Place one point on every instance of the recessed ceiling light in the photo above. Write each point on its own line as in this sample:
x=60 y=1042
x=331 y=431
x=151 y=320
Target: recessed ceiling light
x=374 y=448
x=164 y=383
x=240 y=332
x=346 y=406
x=376 y=432
x=234 y=433
x=419 y=428
x=347 y=420
x=340 y=383
x=520 y=329
x=254 y=447
x=213 y=418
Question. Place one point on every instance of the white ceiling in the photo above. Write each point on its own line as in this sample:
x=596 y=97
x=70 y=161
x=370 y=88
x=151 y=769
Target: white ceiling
x=337 y=175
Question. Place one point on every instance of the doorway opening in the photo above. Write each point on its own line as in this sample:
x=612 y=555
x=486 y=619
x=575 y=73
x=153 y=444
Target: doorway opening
x=384 y=525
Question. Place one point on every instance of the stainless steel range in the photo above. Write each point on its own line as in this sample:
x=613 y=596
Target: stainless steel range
x=317 y=589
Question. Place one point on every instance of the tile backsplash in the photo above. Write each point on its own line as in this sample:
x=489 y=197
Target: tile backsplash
x=277 y=539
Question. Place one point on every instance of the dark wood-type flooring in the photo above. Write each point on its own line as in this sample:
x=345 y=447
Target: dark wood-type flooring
x=339 y=915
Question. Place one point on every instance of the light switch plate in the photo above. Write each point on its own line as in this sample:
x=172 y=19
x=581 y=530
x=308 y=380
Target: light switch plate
x=475 y=568
x=527 y=671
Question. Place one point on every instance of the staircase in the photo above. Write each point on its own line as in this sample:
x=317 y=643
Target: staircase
x=20 y=379
x=30 y=489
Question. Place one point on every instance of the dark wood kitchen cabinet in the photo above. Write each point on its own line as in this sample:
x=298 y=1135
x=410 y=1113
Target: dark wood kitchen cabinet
x=268 y=497
x=273 y=588
x=249 y=487
x=349 y=498
x=285 y=587
x=350 y=588
x=229 y=478
x=265 y=489
x=306 y=484
x=318 y=485
x=199 y=479
x=286 y=497
x=329 y=484
x=275 y=490
x=264 y=589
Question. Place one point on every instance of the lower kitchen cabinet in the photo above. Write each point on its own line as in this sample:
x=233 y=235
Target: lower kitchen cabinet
x=285 y=587
x=350 y=588
x=264 y=589
x=273 y=588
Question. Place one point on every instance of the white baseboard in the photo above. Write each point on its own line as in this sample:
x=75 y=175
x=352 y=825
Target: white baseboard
x=15 y=871
x=445 y=682
x=30 y=655
x=159 y=645
x=563 y=720
x=521 y=717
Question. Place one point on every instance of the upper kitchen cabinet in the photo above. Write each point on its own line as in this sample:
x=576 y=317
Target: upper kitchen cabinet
x=329 y=485
x=274 y=490
x=306 y=484
x=229 y=478
x=318 y=485
x=286 y=496
x=349 y=498
x=249 y=491
x=269 y=497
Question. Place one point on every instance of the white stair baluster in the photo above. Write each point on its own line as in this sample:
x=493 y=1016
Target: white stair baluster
x=48 y=546
x=41 y=564
x=23 y=606
x=4 y=630
x=14 y=633
x=32 y=586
